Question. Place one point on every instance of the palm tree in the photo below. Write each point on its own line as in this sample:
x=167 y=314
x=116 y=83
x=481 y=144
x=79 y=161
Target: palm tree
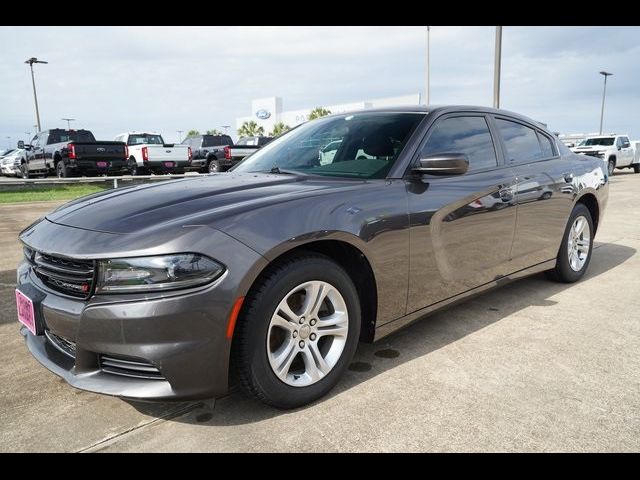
x=214 y=132
x=193 y=133
x=250 y=129
x=319 y=112
x=278 y=129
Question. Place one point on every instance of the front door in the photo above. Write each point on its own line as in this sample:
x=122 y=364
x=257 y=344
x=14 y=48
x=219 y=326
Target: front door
x=462 y=226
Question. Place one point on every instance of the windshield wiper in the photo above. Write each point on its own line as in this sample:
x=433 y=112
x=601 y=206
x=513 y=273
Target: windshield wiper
x=278 y=171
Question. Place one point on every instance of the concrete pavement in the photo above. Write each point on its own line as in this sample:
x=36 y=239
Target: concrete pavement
x=532 y=366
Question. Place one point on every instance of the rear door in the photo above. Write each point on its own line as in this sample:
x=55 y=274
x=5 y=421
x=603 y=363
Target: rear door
x=544 y=191
x=462 y=226
x=626 y=151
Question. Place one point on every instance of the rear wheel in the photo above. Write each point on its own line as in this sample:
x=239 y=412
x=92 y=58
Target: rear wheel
x=611 y=166
x=133 y=167
x=214 y=166
x=297 y=332
x=577 y=244
x=636 y=167
x=62 y=170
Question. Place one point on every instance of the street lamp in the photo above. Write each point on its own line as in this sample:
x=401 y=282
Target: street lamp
x=604 y=93
x=496 y=68
x=428 y=72
x=226 y=128
x=31 y=61
x=68 y=120
x=179 y=135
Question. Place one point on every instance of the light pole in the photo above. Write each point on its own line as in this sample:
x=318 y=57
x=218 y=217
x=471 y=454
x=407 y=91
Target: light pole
x=31 y=61
x=604 y=93
x=226 y=128
x=496 y=68
x=68 y=120
x=179 y=135
x=428 y=72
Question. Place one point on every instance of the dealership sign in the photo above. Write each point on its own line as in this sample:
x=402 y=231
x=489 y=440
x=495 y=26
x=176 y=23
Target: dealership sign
x=263 y=114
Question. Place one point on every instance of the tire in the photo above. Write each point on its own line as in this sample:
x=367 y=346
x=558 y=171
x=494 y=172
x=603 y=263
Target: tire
x=61 y=170
x=611 y=166
x=565 y=270
x=636 y=168
x=133 y=167
x=257 y=340
x=214 y=166
x=24 y=171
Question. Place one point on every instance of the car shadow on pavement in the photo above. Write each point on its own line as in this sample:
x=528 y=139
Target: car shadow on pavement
x=419 y=339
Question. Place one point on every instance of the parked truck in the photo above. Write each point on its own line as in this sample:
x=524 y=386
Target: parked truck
x=148 y=153
x=615 y=150
x=245 y=147
x=208 y=152
x=71 y=153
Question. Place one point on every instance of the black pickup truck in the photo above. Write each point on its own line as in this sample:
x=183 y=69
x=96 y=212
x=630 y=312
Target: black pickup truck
x=208 y=152
x=71 y=153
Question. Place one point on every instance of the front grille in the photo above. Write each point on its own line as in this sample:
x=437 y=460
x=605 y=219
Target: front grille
x=71 y=277
x=65 y=346
x=594 y=154
x=128 y=367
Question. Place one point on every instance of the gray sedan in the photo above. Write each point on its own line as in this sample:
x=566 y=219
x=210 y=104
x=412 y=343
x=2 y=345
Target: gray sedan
x=276 y=269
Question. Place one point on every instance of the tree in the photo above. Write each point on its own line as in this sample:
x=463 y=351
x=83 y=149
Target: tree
x=250 y=129
x=193 y=133
x=214 y=132
x=278 y=129
x=319 y=112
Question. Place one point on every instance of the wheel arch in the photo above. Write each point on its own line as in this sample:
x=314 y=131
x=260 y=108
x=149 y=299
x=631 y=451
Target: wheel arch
x=351 y=257
x=589 y=200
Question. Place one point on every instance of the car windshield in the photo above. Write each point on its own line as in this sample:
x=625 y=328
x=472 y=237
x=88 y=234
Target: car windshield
x=606 y=141
x=145 y=138
x=366 y=146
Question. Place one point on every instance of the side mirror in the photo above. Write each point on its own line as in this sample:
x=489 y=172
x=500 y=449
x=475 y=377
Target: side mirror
x=619 y=147
x=21 y=144
x=443 y=164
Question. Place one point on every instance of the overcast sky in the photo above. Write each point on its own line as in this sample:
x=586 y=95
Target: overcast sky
x=115 y=79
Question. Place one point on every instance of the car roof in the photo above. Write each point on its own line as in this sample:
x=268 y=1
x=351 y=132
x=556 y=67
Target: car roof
x=444 y=109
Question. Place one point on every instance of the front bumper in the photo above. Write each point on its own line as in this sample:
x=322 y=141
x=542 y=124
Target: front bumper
x=182 y=334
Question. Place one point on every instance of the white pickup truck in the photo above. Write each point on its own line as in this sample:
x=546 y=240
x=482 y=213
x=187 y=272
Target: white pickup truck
x=615 y=150
x=148 y=153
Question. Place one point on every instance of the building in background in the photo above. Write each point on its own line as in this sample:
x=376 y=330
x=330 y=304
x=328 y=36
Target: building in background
x=266 y=112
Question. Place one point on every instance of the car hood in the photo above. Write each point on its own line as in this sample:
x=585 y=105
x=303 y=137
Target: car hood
x=189 y=201
x=592 y=148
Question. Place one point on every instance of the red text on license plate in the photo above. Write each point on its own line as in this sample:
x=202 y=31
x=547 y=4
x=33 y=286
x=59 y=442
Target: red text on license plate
x=26 y=313
x=102 y=164
x=168 y=164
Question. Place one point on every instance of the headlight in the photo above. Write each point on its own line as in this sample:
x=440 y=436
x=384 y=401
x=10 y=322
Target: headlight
x=148 y=274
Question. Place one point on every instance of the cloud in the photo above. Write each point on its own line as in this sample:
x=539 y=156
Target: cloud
x=114 y=79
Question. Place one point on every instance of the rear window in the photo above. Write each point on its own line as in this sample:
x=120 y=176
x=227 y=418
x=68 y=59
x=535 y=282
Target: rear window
x=521 y=141
x=144 y=138
x=216 y=141
x=59 y=136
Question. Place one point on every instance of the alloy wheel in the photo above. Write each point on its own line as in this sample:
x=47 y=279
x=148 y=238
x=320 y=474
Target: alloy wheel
x=579 y=243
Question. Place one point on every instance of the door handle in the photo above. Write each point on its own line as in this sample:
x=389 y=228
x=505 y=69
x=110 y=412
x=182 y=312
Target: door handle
x=506 y=194
x=568 y=177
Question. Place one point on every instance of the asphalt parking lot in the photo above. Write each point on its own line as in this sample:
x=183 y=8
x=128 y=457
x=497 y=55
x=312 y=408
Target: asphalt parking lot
x=532 y=366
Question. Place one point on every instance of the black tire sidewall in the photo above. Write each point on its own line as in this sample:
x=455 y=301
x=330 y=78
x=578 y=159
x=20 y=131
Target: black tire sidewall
x=24 y=171
x=266 y=384
x=61 y=171
x=636 y=168
x=563 y=270
x=611 y=168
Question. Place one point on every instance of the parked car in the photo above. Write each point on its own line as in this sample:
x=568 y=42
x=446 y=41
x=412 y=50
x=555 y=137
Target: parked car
x=278 y=268
x=615 y=150
x=70 y=153
x=10 y=162
x=148 y=153
x=208 y=152
x=244 y=147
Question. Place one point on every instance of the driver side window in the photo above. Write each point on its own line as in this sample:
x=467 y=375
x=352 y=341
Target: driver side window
x=469 y=135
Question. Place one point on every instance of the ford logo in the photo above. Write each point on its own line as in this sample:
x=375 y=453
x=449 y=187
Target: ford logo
x=263 y=114
x=100 y=149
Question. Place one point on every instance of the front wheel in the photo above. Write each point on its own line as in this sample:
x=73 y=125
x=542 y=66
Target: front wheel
x=24 y=171
x=297 y=332
x=611 y=166
x=577 y=244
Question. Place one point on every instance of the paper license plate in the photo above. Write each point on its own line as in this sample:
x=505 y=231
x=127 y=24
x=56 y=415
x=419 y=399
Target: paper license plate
x=26 y=312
